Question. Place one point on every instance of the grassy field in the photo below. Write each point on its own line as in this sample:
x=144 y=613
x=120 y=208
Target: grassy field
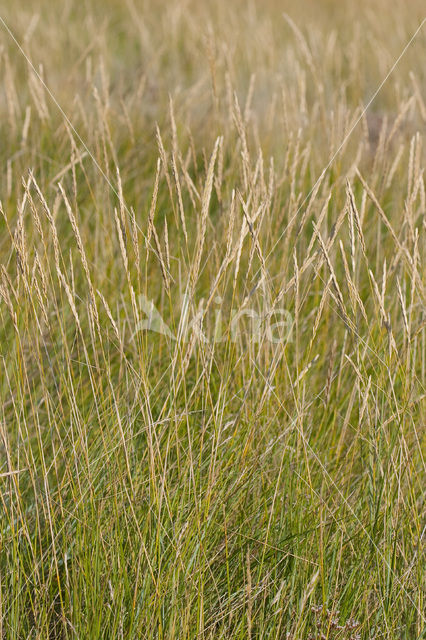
x=212 y=320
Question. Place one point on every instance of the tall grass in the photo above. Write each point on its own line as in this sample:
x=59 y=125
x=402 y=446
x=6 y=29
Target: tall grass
x=221 y=477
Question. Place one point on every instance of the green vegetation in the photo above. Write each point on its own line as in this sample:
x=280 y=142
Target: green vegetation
x=226 y=477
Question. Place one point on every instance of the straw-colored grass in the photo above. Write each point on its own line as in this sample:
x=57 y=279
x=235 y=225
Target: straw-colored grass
x=177 y=179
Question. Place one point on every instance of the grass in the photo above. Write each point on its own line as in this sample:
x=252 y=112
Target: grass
x=228 y=477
